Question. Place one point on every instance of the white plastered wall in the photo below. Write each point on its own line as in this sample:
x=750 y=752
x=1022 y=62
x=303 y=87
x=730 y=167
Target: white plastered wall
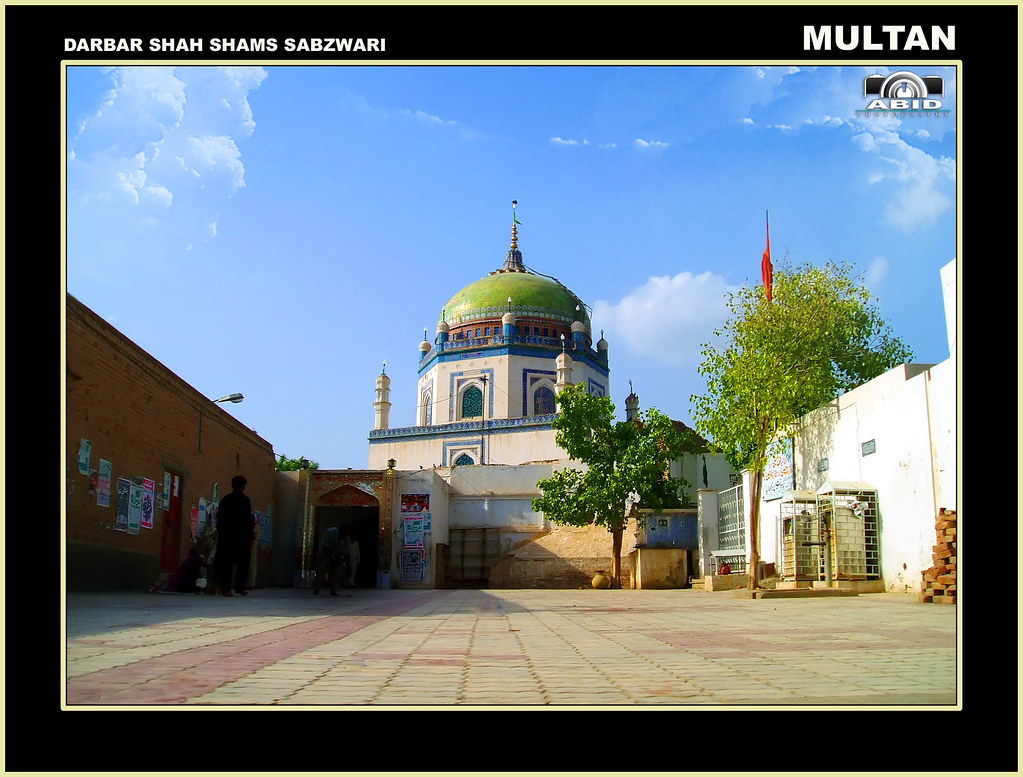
x=896 y=412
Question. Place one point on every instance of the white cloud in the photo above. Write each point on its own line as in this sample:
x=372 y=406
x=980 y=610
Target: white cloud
x=667 y=318
x=568 y=142
x=159 y=153
x=921 y=184
x=876 y=272
x=216 y=154
x=436 y=121
x=655 y=144
x=428 y=118
x=916 y=187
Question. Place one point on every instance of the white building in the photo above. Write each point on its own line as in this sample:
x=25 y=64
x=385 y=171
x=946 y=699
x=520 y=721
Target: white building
x=895 y=435
x=462 y=478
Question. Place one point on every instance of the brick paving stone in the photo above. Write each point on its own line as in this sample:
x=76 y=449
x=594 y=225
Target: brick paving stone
x=509 y=647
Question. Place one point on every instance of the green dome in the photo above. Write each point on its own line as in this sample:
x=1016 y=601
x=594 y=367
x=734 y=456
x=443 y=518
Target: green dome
x=531 y=295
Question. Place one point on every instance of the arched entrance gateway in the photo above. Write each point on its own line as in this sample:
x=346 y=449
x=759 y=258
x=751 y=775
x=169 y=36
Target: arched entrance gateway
x=359 y=500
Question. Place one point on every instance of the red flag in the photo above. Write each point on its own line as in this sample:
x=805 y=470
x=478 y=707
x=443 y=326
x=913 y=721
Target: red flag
x=766 y=267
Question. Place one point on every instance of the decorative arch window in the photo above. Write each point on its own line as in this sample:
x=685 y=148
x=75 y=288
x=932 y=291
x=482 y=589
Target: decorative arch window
x=464 y=460
x=543 y=400
x=426 y=414
x=472 y=402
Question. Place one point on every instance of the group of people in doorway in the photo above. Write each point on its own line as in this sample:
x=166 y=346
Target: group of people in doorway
x=337 y=559
x=227 y=549
x=219 y=562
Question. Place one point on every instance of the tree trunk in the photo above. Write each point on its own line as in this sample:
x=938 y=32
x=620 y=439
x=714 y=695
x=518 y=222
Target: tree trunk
x=753 y=572
x=616 y=554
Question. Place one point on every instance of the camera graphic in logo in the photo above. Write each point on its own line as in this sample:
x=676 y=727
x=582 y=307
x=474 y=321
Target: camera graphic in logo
x=904 y=90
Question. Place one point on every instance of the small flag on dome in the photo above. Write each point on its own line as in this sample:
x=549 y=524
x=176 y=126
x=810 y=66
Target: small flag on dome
x=766 y=268
x=515 y=218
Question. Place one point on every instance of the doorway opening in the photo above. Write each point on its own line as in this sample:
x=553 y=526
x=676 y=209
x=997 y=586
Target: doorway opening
x=170 y=538
x=361 y=522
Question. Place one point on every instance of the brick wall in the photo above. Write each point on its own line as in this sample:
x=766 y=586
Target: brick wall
x=144 y=419
x=566 y=557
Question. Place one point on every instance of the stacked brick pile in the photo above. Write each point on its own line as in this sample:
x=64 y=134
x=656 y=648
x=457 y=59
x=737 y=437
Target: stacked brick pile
x=939 y=582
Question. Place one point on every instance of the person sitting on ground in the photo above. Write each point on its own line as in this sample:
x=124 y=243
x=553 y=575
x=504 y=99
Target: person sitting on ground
x=183 y=581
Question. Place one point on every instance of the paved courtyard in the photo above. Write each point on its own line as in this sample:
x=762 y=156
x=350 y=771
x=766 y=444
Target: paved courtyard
x=587 y=648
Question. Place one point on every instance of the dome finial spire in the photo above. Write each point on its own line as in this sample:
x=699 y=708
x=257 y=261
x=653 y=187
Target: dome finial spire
x=515 y=223
x=513 y=261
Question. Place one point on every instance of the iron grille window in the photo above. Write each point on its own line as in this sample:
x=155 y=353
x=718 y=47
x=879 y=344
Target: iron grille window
x=731 y=520
x=472 y=403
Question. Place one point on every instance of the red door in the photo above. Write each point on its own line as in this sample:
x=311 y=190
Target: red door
x=170 y=545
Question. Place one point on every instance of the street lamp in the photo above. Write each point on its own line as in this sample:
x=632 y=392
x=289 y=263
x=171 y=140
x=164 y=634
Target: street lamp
x=235 y=398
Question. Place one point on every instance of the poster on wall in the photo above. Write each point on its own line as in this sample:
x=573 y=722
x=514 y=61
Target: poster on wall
x=135 y=508
x=84 y=451
x=415 y=513
x=106 y=471
x=412 y=566
x=148 y=503
x=414 y=534
x=415 y=503
x=780 y=470
x=266 y=530
x=123 y=496
x=205 y=520
x=194 y=523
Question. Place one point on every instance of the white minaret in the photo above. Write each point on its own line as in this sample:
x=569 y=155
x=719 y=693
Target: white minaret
x=631 y=405
x=564 y=367
x=602 y=346
x=382 y=406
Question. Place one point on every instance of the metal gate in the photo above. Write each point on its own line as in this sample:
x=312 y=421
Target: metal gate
x=731 y=529
x=471 y=554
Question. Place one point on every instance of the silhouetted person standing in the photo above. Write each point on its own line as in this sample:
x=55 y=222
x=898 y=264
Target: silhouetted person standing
x=331 y=559
x=234 y=538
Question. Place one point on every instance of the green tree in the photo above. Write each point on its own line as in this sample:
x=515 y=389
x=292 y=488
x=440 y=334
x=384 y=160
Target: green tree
x=284 y=464
x=622 y=459
x=820 y=336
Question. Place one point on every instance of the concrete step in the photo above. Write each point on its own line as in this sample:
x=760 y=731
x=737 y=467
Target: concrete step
x=794 y=593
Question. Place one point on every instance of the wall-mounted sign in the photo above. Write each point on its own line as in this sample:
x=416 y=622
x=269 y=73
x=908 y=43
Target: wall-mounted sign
x=415 y=503
x=135 y=493
x=411 y=566
x=84 y=451
x=415 y=534
x=415 y=513
x=106 y=470
x=148 y=502
x=780 y=470
x=123 y=498
x=265 y=525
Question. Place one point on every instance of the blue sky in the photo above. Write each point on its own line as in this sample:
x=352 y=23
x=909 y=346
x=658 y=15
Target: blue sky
x=283 y=230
